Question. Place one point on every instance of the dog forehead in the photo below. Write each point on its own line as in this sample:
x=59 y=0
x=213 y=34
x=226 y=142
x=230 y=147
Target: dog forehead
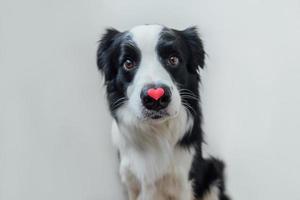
x=146 y=36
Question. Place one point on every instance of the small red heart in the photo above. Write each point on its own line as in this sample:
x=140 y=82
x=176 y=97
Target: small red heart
x=156 y=93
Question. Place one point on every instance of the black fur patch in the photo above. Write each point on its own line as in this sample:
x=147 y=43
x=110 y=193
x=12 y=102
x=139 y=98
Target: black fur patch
x=114 y=48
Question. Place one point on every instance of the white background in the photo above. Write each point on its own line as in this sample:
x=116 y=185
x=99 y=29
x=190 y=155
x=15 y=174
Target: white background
x=54 y=124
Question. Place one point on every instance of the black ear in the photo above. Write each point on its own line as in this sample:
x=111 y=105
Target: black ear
x=195 y=46
x=105 y=53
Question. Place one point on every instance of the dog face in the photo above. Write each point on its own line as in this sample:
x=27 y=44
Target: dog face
x=151 y=72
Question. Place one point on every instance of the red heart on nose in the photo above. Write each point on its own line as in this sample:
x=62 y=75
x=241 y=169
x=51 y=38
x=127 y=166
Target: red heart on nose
x=156 y=93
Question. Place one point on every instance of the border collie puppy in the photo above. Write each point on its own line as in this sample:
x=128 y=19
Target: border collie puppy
x=152 y=82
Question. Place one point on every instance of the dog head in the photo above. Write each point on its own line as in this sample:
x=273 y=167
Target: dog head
x=151 y=72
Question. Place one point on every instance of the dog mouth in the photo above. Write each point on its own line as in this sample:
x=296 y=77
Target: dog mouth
x=155 y=115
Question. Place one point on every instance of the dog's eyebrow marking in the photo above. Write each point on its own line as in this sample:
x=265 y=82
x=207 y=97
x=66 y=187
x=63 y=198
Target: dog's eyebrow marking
x=168 y=43
x=129 y=43
x=168 y=34
x=168 y=40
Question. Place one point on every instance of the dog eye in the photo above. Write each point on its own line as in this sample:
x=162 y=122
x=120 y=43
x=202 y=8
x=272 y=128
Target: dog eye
x=128 y=64
x=173 y=60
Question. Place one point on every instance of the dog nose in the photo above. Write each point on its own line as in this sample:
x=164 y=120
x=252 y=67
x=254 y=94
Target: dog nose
x=156 y=97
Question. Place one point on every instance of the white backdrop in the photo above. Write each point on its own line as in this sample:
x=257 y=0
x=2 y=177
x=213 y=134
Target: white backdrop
x=54 y=125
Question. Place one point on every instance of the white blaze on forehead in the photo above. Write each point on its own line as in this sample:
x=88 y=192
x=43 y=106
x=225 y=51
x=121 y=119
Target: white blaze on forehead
x=150 y=69
x=146 y=37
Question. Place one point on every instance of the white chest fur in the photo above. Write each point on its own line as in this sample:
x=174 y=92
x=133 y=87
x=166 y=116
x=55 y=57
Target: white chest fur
x=151 y=166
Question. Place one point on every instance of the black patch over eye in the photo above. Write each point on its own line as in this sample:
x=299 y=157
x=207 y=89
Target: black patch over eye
x=173 y=60
x=129 y=64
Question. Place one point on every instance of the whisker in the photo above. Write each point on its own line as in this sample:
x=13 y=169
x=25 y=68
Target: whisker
x=118 y=102
x=189 y=97
x=189 y=107
x=187 y=91
x=184 y=89
x=117 y=105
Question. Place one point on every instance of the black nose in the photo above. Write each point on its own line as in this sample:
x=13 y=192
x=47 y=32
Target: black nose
x=156 y=97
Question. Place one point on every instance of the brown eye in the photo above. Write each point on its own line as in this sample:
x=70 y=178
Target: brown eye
x=173 y=60
x=128 y=64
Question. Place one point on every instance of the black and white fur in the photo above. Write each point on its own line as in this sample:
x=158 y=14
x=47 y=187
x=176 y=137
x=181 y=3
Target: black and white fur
x=160 y=157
